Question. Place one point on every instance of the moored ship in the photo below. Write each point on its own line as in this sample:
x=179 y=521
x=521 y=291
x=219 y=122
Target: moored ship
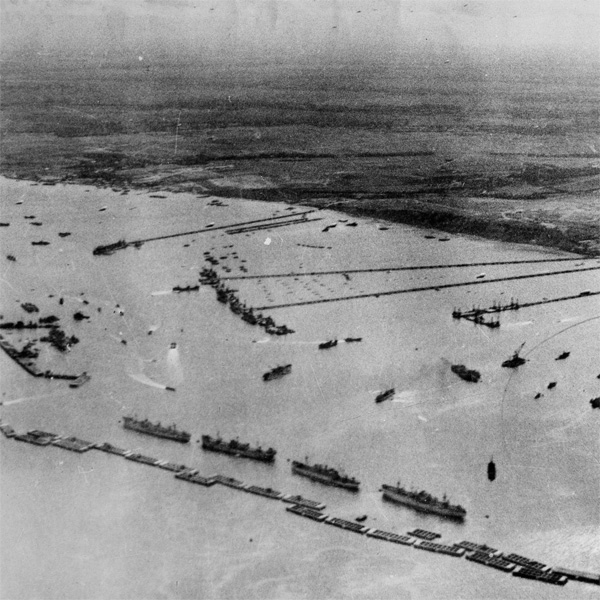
x=326 y=475
x=423 y=502
x=277 y=372
x=156 y=429
x=236 y=448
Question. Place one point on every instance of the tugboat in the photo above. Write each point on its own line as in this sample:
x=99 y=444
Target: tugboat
x=325 y=474
x=170 y=433
x=424 y=502
x=236 y=448
x=467 y=374
x=515 y=360
x=277 y=372
x=563 y=356
x=385 y=395
x=328 y=344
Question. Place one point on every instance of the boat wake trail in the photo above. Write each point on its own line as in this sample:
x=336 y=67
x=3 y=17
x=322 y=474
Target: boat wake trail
x=406 y=396
x=162 y=293
x=515 y=325
x=174 y=366
x=146 y=380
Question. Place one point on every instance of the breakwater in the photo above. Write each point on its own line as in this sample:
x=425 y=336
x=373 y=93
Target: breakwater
x=420 y=539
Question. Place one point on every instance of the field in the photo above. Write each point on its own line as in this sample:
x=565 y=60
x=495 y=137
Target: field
x=504 y=157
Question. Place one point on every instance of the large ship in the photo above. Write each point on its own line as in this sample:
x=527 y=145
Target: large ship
x=277 y=372
x=423 y=502
x=326 y=475
x=156 y=429
x=236 y=448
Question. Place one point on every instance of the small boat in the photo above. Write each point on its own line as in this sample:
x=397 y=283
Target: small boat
x=277 y=372
x=467 y=374
x=515 y=360
x=552 y=385
x=361 y=519
x=563 y=356
x=349 y=340
x=491 y=470
x=385 y=395
x=173 y=345
x=328 y=344
x=595 y=402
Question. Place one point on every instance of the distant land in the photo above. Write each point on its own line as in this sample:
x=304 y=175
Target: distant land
x=464 y=150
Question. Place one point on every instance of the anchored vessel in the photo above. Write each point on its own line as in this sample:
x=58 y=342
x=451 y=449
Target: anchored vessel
x=466 y=374
x=236 y=448
x=328 y=344
x=386 y=395
x=326 y=475
x=277 y=372
x=423 y=501
x=515 y=360
x=171 y=432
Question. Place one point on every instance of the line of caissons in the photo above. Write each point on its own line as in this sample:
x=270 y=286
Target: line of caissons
x=519 y=566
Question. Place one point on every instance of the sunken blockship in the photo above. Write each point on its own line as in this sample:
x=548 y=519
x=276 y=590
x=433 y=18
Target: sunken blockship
x=421 y=539
x=326 y=475
x=235 y=448
x=156 y=429
x=424 y=502
x=228 y=296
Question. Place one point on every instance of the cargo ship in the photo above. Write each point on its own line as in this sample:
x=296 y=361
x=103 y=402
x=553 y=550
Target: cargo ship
x=236 y=448
x=423 y=502
x=385 y=395
x=170 y=433
x=326 y=475
x=467 y=374
x=277 y=372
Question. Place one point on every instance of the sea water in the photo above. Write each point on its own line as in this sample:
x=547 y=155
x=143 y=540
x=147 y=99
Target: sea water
x=98 y=526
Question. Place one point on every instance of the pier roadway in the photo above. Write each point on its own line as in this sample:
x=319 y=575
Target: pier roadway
x=99 y=250
x=424 y=289
x=421 y=539
x=412 y=268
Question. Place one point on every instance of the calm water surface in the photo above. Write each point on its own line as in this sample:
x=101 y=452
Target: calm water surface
x=96 y=526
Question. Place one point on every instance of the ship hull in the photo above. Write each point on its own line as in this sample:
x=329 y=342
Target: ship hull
x=323 y=478
x=180 y=436
x=224 y=448
x=399 y=498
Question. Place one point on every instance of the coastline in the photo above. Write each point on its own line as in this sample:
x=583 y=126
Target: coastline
x=445 y=213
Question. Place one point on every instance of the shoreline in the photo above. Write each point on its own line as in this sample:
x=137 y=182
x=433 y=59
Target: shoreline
x=422 y=213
